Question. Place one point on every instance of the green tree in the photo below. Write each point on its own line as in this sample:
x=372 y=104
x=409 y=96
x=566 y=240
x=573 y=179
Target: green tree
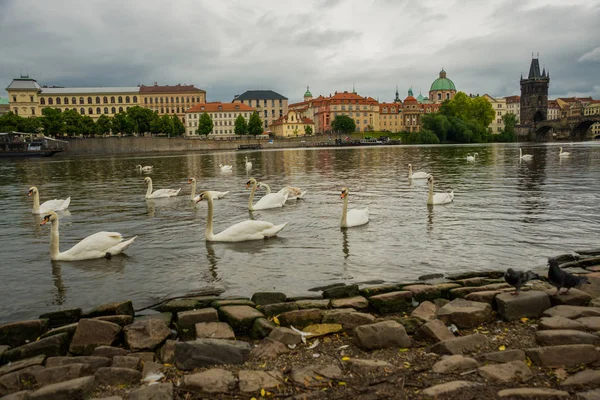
x=71 y=122
x=482 y=111
x=343 y=124
x=508 y=133
x=436 y=123
x=205 y=125
x=255 y=125
x=241 y=127
x=10 y=122
x=141 y=118
x=52 y=121
x=178 y=127
x=103 y=125
x=88 y=127
x=122 y=124
x=308 y=130
x=30 y=125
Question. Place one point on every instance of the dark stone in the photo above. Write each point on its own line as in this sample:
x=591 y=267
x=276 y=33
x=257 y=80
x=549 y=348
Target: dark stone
x=68 y=329
x=531 y=304
x=22 y=364
x=118 y=308
x=429 y=277
x=109 y=351
x=381 y=335
x=423 y=292
x=214 y=330
x=301 y=318
x=166 y=354
x=146 y=335
x=269 y=348
x=475 y=274
x=321 y=304
x=130 y=362
x=391 y=302
x=568 y=355
x=232 y=302
x=56 y=345
x=240 y=317
x=22 y=395
x=348 y=320
x=75 y=389
x=410 y=324
x=322 y=288
x=175 y=306
x=165 y=317
x=145 y=356
x=207 y=352
x=121 y=320
x=264 y=298
x=261 y=328
x=63 y=317
x=380 y=289
x=465 y=313
x=18 y=380
x=16 y=334
x=48 y=376
x=93 y=362
x=278 y=308
x=159 y=391
x=339 y=292
x=187 y=320
x=460 y=344
x=91 y=333
x=117 y=376
x=504 y=356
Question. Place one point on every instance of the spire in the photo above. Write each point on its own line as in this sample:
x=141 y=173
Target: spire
x=534 y=69
x=544 y=72
x=397 y=98
x=410 y=91
x=353 y=89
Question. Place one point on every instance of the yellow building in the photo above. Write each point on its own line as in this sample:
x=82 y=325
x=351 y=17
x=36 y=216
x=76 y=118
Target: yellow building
x=27 y=98
x=291 y=124
x=593 y=108
x=499 y=106
x=223 y=116
x=270 y=105
x=390 y=118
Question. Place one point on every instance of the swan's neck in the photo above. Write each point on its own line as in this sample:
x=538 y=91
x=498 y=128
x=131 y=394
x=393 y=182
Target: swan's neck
x=410 y=171
x=54 y=240
x=267 y=187
x=345 y=212
x=209 y=220
x=251 y=199
x=559 y=153
x=520 y=152
x=36 y=202
x=193 y=189
x=430 y=195
x=149 y=191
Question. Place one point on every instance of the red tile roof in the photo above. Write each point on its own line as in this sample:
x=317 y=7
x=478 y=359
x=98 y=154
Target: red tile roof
x=513 y=99
x=218 y=106
x=170 y=89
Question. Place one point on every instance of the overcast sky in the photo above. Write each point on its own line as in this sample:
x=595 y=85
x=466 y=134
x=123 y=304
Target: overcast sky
x=227 y=47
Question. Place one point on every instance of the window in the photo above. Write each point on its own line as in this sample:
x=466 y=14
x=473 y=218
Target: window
x=499 y=112
x=146 y=100
x=98 y=101
x=187 y=100
x=280 y=103
x=266 y=114
x=135 y=99
x=66 y=100
x=43 y=101
x=97 y=110
x=265 y=103
x=177 y=99
x=177 y=110
x=105 y=100
x=499 y=105
x=89 y=100
x=156 y=100
x=120 y=100
x=16 y=109
x=14 y=101
x=150 y=100
x=50 y=101
x=120 y=109
x=113 y=110
x=447 y=96
x=126 y=99
x=162 y=110
x=31 y=99
x=112 y=100
x=82 y=110
x=162 y=100
x=172 y=100
x=105 y=110
x=32 y=110
x=90 y=111
x=58 y=100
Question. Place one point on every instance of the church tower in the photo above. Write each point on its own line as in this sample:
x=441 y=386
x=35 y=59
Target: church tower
x=534 y=95
x=308 y=95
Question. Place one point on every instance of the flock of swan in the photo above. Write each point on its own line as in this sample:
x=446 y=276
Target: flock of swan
x=107 y=244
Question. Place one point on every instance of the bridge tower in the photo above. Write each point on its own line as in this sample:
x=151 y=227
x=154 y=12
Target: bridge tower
x=534 y=95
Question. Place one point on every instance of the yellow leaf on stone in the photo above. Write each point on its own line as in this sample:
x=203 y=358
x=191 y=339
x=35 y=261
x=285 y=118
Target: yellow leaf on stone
x=502 y=348
x=322 y=329
x=403 y=350
x=342 y=383
x=524 y=319
x=253 y=398
x=345 y=358
x=263 y=365
x=167 y=365
x=528 y=361
x=276 y=320
x=406 y=364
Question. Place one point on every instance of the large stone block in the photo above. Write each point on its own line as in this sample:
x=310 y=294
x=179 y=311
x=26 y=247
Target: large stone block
x=508 y=372
x=460 y=344
x=62 y=317
x=531 y=304
x=356 y=302
x=75 y=389
x=92 y=333
x=214 y=330
x=241 y=318
x=369 y=291
x=146 y=335
x=572 y=312
x=214 y=380
x=254 y=381
x=187 y=320
x=453 y=364
x=159 y=391
x=426 y=311
x=381 y=335
x=18 y=380
x=339 y=292
x=533 y=393
x=22 y=364
x=117 y=376
x=273 y=309
x=434 y=331
x=68 y=329
x=565 y=336
x=49 y=376
x=94 y=363
x=465 y=313
x=575 y=297
x=449 y=389
x=348 y=320
x=264 y=298
x=301 y=318
x=563 y=355
x=117 y=308
x=549 y=323
x=56 y=345
x=391 y=302
x=207 y=352
x=19 y=333
x=261 y=328
x=423 y=292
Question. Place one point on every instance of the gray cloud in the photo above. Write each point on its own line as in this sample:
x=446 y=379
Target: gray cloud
x=229 y=47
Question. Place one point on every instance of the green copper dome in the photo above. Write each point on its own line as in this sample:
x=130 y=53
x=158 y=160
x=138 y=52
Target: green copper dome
x=442 y=83
x=308 y=93
x=420 y=97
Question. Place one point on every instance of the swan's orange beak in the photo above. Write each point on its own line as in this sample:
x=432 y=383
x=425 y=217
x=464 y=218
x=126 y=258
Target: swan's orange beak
x=30 y=193
x=189 y=181
x=46 y=219
x=248 y=185
x=342 y=195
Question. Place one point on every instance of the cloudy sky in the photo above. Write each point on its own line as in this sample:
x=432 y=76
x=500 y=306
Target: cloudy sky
x=227 y=47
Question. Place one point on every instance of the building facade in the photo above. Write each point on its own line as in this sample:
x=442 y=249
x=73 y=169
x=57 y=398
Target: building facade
x=499 y=106
x=27 y=98
x=442 y=89
x=513 y=106
x=390 y=117
x=534 y=95
x=292 y=124
x=223 y=116
x=270 y=105
x=593 y=108
x=553 y=110
x=412 y=111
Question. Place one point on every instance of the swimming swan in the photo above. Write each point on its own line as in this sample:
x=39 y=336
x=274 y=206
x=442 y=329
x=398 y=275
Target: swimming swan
x=225 y=168
x=215 y=195
x=471 y=158
x=270 y=200
x=292 y=192
x=526 y=157
x=352 y=218
x=47 y=206
x=416 y=175
x=98 y=245
x=147 y=168
x=564 y=153
x=248 y=164
x=240 y=232
x=438 y=198
x=160 y=193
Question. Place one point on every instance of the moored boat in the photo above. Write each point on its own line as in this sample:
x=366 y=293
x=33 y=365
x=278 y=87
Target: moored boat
x=19 y=144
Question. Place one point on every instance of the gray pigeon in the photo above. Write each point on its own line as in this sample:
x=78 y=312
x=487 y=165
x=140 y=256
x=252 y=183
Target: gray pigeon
x=560 y=278
x=518 y=278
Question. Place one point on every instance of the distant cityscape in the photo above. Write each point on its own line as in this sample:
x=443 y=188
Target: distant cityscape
x=27 y=99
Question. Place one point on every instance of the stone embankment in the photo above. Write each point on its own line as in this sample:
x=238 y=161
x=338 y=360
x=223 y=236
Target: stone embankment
x=462 y=337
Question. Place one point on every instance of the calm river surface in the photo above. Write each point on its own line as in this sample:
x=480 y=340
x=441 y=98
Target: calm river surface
x=505 y=213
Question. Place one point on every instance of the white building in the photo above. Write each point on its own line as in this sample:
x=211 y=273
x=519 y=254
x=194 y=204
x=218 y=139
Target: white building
x=223 y=116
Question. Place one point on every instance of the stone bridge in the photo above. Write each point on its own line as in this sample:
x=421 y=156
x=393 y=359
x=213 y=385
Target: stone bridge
x=573 y=128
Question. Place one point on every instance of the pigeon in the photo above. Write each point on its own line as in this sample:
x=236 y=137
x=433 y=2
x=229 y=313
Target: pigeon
x=518 y=278
x=560 y=278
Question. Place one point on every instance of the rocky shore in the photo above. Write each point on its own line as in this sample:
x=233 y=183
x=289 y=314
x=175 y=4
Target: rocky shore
x=457 y=337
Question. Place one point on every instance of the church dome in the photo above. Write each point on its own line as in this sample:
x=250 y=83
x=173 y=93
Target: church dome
x=420 y=98
x=442 y=83
x=308 y=93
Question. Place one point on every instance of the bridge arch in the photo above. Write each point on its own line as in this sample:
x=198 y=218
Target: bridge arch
x=581 y=128
x=542 y=133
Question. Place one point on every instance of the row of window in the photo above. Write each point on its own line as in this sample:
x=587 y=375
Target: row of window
x=90 y=110
x=265 y=102
x=160 y=100
x=273 y=113
x=343 y=107
x=220 y=115
x=58 y=100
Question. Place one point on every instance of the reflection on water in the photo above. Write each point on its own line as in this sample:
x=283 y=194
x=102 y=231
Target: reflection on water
x=506 y=213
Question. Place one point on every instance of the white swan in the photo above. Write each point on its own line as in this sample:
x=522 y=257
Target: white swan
x=526 y=157
x=225 y=168
x=563 y=153
x=214 y=195
x=270 y=200
x=292 y=192
x=240 y=232
x=98 y=245
x=147 y=168
x=47 y=206
x=248 y=164
x=471 y=158
x=352 y=218
x=416 y=175
x=160 y=193
x=438 y=198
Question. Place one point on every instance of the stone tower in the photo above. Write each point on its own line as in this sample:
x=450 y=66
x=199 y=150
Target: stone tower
x=534 y=95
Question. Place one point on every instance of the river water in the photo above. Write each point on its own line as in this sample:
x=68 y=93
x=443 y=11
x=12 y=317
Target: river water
x=506 y=213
